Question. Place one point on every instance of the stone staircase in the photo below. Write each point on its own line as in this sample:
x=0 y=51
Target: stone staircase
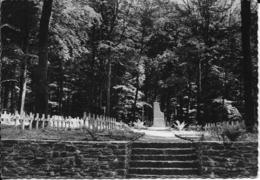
x=163 y=160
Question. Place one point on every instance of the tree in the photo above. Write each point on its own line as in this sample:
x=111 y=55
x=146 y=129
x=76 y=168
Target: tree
x=1 y=48
x=41 y=84
x=247 y=64
x=208 y=33
x=25 y=44
x=69 y=56
x=18 y=34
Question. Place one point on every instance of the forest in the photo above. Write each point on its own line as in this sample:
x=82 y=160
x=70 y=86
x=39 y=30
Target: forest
x=198 y=58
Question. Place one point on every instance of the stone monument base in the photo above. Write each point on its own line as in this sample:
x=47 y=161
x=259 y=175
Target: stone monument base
x=158 y=128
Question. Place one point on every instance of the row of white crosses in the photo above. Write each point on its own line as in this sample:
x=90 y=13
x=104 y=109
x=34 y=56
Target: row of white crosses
x=90 y=122
x=14 y=119
x=93 y=122
x=224 y=124
x=23 y=119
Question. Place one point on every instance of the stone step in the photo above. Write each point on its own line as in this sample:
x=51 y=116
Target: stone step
x=186 y=157
x=164 y=151
x=161 y=145
x=162 y=164
x=146 y=176
x=163 y=171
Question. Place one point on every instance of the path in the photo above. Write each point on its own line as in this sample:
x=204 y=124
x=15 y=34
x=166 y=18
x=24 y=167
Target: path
x=166 y=135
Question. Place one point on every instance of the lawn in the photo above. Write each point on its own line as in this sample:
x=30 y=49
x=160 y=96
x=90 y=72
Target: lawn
x=11 y=132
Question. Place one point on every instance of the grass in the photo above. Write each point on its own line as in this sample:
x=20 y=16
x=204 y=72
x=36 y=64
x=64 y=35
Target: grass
x=235 y=133
x=10 y=132
x=244 y=137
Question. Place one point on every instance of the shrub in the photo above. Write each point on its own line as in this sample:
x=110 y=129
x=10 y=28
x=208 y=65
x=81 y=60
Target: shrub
x=233 y=132
x=217 y=131
x=223 y=131
x=202 y=138
x=139 y=124
x=178 y=125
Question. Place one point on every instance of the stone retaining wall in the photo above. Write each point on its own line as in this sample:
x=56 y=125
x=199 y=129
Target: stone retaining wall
x=85 y=159
x=39 y=159
x=228 y=160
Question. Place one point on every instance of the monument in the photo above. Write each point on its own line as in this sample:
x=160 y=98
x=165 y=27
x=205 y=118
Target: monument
x=158 y=118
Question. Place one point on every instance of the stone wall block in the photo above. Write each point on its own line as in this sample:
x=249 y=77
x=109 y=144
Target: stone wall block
x=59 y=146
x=120 y=151
x=228 y=159
x=55 y=154
x=7 y=144
x=101 y=145
x=121 y=172
x=106 y=152
x=39 y=160
x=70 y=148
x=106 y=158
x=63 y=154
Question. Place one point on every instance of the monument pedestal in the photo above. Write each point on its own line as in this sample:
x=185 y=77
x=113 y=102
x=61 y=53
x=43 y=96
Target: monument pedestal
x=159 y=123
x=158 y=128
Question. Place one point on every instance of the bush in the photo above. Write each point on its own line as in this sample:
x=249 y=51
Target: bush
x=228 y=132
x=178 y=125
x=139 y=125
x=232 y=133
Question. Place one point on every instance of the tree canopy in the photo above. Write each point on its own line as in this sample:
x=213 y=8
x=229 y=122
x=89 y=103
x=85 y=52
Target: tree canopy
x=117 y=57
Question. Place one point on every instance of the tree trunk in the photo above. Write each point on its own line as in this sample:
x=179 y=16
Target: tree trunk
x=41 y=85
x=108 y=87
x=23 y=89
x=9 y=97
x=13 y=99
x=136 y=96
x=1 y=55
x=198 y=117
x=247 y=64
x=100 y=96
x=5 y=95
x=181 y=114
x=189 y=98
x=24 y=63
x=60 y=96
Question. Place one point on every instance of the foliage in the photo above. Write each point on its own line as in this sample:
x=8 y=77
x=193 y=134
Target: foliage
x=155 y=50
x=139 y=124
x=220 y=109
x=179 y=126
x=227 y=132
x=232 y=133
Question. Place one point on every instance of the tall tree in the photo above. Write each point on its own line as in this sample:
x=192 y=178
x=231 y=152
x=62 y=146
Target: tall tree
x=109 y=34
x=41 y=84
x=0 y=54
x=247 y=64
x=25 y=43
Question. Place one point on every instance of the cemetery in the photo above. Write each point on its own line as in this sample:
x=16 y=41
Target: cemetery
x=128 y=89
x=100 y=147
